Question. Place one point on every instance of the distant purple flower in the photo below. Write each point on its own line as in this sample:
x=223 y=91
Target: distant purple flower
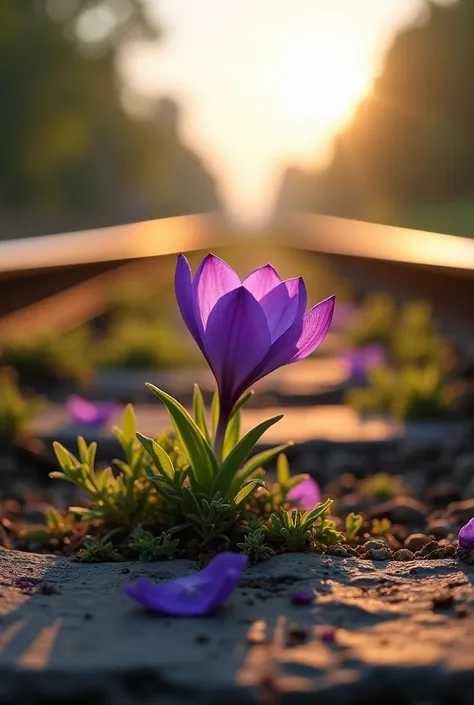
x=302 y=597
x=306 y=495
x=328 y=636
x=247 y=329
x=195 y=594
x=25 y=585
x=466 y=536
x=88 y=413
x=360 y=360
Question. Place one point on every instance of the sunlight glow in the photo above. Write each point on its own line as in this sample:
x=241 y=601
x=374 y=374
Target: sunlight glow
x=319 y=82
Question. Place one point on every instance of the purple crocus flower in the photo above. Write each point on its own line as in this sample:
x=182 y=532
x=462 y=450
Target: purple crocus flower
x=87 y=413
x=195 y=594
x=359 y=360
x=305 y=495
x=247 y=329
x=466 y=536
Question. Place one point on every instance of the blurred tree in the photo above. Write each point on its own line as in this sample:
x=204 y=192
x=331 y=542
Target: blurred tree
x=411 y=143
x=70 y=155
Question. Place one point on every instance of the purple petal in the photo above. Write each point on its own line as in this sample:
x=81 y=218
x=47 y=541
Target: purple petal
x=195 y=594
x=88 y=413
x=466 y=536
x=359 y=361
x=306 y=495
x=261 y=281
x=283 y=304
x=315 y=327
x=302 y=597
x=214 y=278
x=183 y=287
x=236 y=340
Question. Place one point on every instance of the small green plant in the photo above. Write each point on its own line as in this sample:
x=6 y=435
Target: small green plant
x=380 y=527
x=295 y=529
x=407 y=394
x=255 y=545
x=16 y=410
x=353 y=524
x=375 y=322
x=382 y=486
x=97 y=552
x=122 y=500
x=153 y=548
x=46 y=358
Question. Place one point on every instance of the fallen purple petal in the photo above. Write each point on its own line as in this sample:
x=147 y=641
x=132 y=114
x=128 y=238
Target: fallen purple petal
x=25 y=585
x=306 y=495
x=195 y=594
x=466 y=536
x=302 y=597
x=359 y=361
x=328 y=636
x=87 y=413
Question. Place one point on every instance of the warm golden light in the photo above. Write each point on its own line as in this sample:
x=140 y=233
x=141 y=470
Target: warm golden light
x=319 y=81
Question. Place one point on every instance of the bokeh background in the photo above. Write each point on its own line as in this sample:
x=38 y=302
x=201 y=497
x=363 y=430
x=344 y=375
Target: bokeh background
x=116 y=111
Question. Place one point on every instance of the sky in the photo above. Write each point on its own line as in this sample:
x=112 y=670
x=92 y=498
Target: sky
x=263 y=83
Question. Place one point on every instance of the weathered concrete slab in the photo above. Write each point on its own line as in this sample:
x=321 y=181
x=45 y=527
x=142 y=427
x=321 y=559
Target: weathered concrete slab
x=402 y=635
x=319 y=425
x=316 y=378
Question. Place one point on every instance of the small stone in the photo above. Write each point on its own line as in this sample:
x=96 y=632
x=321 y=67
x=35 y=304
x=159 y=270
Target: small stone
x=402 y=510
x=302 y=597
x=87 y=616
x=374 y=544
x=427 y=549
x=48 y=589
x=460 y=512
x=378 y=554
x=201 y=639
x=415 y=542
x=125 y=570
x=403 y=554
x=461 y=611
x=296 y=635
x=442 y=601
x=440 y=529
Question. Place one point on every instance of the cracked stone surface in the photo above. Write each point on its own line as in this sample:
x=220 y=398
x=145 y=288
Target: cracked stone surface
x=375 y=633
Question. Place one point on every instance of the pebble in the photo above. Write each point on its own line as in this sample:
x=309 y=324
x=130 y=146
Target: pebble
x=378 y=554
x=403 y=555
x=440 y=528
x=427 y=549
x=374 y=544
x=415 y=542
x=460 y=512
x=402 y=510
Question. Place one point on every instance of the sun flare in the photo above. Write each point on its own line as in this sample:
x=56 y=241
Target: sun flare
x=319 y=82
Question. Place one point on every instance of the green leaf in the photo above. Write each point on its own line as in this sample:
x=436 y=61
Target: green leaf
x=65 y=458
x=91 y=454
x=243 y=400
x=258 y=461
x=200 y=413
x=104 y=478
x=239 y=455
x=83 y=450
x=197 y=450
x=246 y=490
x=129 y=423
x=160 y=457
x=232 y=434
x=215 y=411
x=283 y=470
